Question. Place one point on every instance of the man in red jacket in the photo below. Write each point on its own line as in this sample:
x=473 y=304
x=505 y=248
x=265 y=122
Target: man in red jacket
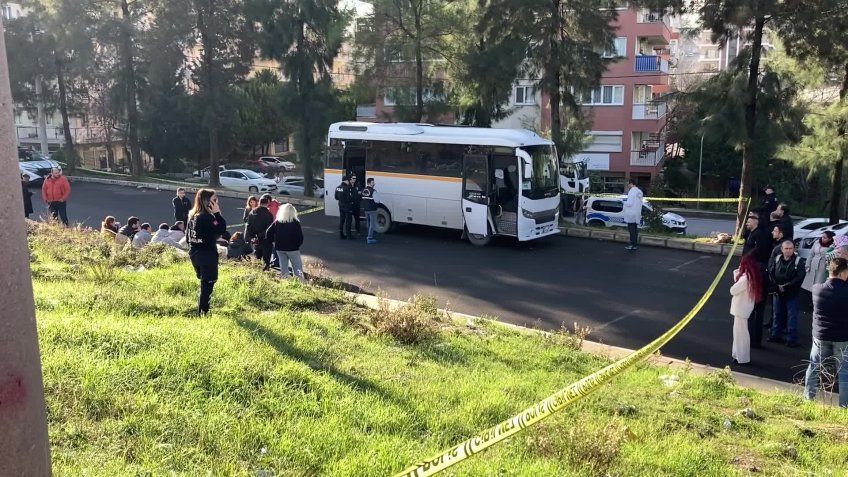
x=55 y=192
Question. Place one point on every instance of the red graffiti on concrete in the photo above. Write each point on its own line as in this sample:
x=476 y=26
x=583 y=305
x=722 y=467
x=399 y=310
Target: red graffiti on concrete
x=12 y=393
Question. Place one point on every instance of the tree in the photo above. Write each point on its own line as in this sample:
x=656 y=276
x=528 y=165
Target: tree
x=747 y=20
x=565 y=40
x=417 y=32
x=221 y=42
x=65 y=31
x=715 y=111
x=484 y=68
x=814 y=33
x=304 y=36
x=261 y=120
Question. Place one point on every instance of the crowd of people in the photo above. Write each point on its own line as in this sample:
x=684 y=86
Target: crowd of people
x=771 y=271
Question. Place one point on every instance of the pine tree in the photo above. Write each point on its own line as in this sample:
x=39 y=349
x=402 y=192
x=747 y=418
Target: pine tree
x=304 y=36
x=814 y=33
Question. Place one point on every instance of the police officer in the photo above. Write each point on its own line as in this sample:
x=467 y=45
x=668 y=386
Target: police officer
x=357 y=202
x=370 y=199
x=344 y=194
x=205 y=225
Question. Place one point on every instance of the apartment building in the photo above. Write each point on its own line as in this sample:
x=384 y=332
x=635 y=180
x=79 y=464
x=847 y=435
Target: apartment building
x=628 y=110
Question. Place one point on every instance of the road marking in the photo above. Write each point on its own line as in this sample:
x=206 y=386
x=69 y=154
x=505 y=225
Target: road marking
x=690 y=262
x=626 y=315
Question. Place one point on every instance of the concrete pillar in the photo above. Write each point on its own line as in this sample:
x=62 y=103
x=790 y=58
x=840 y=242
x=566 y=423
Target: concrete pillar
x=24 y=448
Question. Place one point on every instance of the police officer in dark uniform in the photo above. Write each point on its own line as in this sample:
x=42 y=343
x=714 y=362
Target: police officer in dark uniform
x=370 y=199
x=344 y=194
x=205 y=225
x=357 y=201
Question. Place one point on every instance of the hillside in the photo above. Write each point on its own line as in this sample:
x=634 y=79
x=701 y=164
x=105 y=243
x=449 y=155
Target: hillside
x=289 y=380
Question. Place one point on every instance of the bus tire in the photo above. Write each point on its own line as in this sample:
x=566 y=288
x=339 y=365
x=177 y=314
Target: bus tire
x=479 y=240
x=384 y=221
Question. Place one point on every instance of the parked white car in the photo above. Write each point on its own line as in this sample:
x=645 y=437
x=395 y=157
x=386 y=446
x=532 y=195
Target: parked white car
x=244 y=180
x=34 y=178
x=278 y=163
x=609 y=212
x=293 y=185
x=805 y=244
x=806 y=226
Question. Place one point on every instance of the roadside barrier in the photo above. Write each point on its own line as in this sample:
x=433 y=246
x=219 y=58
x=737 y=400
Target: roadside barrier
x=568 y=395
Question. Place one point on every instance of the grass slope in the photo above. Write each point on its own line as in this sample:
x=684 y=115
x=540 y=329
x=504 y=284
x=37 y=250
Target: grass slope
x=288 y=380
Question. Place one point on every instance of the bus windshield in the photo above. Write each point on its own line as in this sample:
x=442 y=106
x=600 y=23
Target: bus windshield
x=545 y=180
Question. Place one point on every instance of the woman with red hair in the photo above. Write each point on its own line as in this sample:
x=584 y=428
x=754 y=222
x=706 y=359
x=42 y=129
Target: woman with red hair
x=746 y=291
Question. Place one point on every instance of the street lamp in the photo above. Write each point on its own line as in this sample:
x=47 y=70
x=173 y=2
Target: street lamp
x=701 y=160
x=700 y=167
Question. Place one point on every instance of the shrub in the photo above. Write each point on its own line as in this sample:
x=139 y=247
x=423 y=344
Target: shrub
x=412 y=323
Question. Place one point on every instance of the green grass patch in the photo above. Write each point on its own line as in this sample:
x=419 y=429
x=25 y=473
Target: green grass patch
x=288 y=380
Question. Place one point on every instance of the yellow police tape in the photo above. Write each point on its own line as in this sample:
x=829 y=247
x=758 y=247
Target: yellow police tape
x=656 y=199
x=562 y=398
x=301 y=214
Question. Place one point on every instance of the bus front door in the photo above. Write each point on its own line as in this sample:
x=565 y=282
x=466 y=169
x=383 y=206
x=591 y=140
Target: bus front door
x=476 y=198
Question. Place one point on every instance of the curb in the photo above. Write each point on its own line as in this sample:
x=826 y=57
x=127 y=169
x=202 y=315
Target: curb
x=191 y=188
x=615 y=352
x=649 y=240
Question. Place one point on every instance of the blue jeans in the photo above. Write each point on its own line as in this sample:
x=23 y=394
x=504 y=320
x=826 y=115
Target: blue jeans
x=371 y=216
x=785 y=315
x=820 y=355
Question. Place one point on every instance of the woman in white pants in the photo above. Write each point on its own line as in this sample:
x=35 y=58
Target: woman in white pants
x=746 y=290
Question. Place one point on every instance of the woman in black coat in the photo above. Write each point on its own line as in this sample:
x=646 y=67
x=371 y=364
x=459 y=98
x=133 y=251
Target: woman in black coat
x=27 y=196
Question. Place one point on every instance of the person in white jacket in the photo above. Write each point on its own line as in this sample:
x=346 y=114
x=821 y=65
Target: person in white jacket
x=746 y=290
x=633 y=212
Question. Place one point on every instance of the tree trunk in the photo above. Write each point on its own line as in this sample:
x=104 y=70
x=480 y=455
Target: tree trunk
x=210 y=91
x=305 y=89
x=746 y=188
x=552 y=68
x=214 y=178
x=129 y=77
x=70 y=151
x=836 y=186
x=419 y=67
x=24 y=446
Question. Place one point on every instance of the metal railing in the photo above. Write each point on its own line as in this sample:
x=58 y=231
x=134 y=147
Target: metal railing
x=645 y=158
x=651 y=110
x=650 y=64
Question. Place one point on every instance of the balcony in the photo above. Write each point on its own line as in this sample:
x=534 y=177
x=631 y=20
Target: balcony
x=651 y=64
x=653 y=110
x=645 y=158
x=647 y=16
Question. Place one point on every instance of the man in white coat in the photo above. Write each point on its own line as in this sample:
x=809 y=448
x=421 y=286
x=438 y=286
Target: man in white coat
x=633 y=212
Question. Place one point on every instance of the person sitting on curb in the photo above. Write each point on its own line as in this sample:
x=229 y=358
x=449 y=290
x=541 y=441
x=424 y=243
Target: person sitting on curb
x=238 y=248
x=142 y=237
x=163 y=235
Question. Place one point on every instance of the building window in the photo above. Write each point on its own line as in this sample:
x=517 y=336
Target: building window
x=281 y=146
x=525 y=95
x=642 y=94
x=602 y=141
x=7 y=12
x=607 y=95
x=618 y=50
x=399 y=95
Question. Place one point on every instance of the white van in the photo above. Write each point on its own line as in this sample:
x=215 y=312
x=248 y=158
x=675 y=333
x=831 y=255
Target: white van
x=609 y=212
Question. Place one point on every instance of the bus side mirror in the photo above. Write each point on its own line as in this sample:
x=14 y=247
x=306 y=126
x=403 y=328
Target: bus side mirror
x=528 y=170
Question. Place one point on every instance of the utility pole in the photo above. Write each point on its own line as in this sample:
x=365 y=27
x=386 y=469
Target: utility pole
x=700 y=166
x=42 y=116
x=24 y=448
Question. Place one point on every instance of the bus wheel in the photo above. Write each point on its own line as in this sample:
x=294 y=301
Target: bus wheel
x=479 y=240
x=384 y=221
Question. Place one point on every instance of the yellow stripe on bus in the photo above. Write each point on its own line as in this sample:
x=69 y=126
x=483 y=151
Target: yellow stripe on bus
x=402 y=176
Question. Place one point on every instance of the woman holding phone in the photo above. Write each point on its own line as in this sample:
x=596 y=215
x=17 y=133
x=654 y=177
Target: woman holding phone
x=205 y=225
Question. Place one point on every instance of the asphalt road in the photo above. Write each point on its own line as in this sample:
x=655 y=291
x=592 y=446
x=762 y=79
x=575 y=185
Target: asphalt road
x=627 y=298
